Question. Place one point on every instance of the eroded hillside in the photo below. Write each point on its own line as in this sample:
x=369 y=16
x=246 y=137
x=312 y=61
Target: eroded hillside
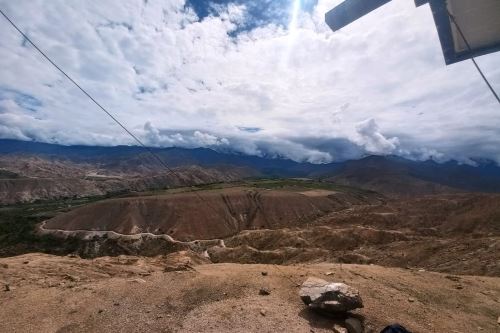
x=281 y=222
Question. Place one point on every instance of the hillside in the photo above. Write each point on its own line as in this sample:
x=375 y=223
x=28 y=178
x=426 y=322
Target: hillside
x=30 y=178
x=207 y=214
x=396 y=176
x=299 y=222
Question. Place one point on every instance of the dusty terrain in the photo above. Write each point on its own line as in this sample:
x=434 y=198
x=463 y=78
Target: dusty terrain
x=163 y=294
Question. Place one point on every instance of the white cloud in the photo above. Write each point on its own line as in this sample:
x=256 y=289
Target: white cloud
x=309 y=91
x=374 y=141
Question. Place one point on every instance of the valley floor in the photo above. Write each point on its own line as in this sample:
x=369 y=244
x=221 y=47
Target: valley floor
x=44 y=293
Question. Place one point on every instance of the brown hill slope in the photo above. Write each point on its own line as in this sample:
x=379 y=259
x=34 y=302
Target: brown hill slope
x=206 y=214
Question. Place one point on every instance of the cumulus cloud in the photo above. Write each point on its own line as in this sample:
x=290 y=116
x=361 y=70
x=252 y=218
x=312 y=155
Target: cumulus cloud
x=246 y=77
x=374 y=141
x=184 y=139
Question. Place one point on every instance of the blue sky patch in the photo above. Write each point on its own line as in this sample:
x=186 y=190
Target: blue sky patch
x=25 y=101
x=250 y=129
x=259 y=12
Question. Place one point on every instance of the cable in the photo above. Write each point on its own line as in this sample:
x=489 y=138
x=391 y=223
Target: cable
x=123 y=127
x=170 y=170
x=86 y=93
x=472 y=58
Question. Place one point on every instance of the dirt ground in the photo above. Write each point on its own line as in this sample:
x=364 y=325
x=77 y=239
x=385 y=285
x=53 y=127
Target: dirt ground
x=43 y=293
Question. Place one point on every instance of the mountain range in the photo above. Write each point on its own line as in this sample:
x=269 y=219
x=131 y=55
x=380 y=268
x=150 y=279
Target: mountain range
x=33 y=167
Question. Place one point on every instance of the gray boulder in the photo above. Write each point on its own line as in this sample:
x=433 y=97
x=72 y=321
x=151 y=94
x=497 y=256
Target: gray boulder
x=329 y=297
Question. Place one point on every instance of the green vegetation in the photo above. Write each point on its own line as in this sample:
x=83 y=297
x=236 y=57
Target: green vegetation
x=293 y=185
x=6 y=174
x=17 y=223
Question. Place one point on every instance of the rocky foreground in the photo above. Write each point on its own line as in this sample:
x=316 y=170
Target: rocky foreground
x=181 y=293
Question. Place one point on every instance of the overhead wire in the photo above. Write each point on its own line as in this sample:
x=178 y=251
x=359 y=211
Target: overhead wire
x=136 y=139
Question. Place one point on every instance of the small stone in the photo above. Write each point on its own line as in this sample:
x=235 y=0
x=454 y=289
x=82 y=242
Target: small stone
x=421 y=270
x=339 y=329
x=4 y=266
x=159 y=316
x=263 y=312
x=26 y=262
x=498 y=320
x=453 y=278
x=264 y=291
x=6 y=287
x=116 y=304
x=329 y=273
x=138 y=280
x=100 y=311
x=71 y=278
x=459 y=286
x=264 y=273
x=411 y=299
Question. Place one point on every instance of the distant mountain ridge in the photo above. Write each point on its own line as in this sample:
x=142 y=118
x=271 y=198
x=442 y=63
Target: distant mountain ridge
x=391 y=175
x=173 y=157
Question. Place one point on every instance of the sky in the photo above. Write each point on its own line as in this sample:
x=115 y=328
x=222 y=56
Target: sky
x=262 y=77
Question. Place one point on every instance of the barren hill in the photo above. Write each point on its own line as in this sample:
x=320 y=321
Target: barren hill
x=449 y=233
x=30 y=178
x=162 y=294
x=206 y=214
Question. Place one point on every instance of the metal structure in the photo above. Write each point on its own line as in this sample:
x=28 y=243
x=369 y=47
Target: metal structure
x=466 y=28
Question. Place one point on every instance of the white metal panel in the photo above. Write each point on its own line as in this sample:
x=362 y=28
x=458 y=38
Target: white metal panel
x=479 y=21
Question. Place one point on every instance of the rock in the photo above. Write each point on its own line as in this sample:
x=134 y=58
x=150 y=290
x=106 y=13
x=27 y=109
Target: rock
x=71 y=278
x=138 y=280
x=6 y=287
x=264 y=273
x=178 y=268
x=321 y=295
x=263 y=312
x=329 y=273
x=339 y=329
x=453 y=278
x=4 y=266
x=264 y=291
x=411 y=299
x=354 y=325
x=459 y=286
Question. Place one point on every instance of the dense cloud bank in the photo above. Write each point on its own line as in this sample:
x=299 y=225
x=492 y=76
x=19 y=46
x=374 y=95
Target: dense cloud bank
x=276 y=84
